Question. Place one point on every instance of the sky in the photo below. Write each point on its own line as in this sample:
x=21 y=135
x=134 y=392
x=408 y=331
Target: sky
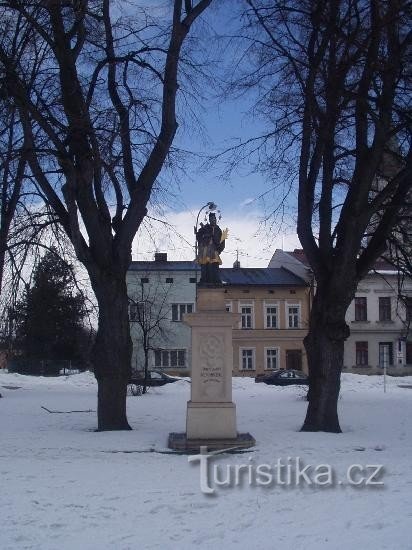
x=242 y=197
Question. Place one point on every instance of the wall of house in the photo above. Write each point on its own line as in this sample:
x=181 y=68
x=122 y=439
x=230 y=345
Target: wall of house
x=374 y=331
x=259 y=339
x=174 y=335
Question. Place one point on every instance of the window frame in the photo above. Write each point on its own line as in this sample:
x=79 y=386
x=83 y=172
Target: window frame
x=408 y=309
x=385 y=308
x=134 y=317
x=167 y=353
x=361 y=311
x=252 y=357
x=177 y=307
x=277 y=350
x=289 y=305
x=362 y=352
x=252 y=315
x=266 y=306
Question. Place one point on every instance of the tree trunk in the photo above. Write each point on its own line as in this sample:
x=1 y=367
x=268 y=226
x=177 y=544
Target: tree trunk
x=325 y=350
x=112 y=351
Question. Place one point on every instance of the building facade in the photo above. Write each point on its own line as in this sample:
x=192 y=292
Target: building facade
x=379 y=323
x=273 y=305
x=379 y=318
x=160 y=293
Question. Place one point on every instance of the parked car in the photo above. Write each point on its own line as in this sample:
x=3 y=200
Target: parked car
x=263 y=375
x=154 y=378
x=284 y=378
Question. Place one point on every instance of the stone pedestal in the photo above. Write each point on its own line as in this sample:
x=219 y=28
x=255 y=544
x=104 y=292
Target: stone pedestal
x=211 y=414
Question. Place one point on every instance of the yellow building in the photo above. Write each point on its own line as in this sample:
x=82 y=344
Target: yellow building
x=274 y=307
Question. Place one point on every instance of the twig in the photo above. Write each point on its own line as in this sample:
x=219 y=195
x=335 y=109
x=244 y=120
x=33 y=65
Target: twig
x=66 y=412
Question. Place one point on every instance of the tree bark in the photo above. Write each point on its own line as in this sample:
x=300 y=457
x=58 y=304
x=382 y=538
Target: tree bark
x=325 y=350
x=112 y=351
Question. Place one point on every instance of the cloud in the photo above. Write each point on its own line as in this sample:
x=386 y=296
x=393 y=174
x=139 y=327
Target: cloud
x=247 y=237
x=247 y=201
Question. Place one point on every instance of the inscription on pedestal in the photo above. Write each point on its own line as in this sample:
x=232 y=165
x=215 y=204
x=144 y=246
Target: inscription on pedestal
x=212 y=355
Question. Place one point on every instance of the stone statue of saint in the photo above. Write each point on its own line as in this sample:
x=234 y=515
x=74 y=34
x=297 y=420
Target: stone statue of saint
x=210 y=243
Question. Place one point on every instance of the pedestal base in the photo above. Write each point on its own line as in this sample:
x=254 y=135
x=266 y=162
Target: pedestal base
x=180 y=442
x=211 y=420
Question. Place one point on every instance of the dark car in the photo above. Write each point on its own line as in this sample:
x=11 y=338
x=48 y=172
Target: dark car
x=263 y=375
x=284 y=378
x=154 y=378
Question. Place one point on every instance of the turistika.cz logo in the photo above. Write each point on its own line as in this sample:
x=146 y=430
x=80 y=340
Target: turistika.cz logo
x=288 y=472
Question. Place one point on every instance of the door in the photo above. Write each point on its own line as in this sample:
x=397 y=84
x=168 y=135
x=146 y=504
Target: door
x=294 y=359
x=385 y=354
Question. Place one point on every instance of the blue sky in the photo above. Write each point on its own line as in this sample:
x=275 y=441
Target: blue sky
x=224 y=123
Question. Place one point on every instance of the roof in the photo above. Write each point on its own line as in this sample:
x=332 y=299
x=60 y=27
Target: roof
x=380 y=264
x=230 y=276
x=164 y=266
x=260 y=277
x=299 y=255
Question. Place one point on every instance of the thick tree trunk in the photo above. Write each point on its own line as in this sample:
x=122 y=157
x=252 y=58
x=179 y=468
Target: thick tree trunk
x=112 y=351
x=325 y=350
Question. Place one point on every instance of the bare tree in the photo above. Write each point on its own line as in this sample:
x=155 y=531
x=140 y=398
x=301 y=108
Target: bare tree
x=332 y=84
x=12 y=167
x=150 y=310
x=99 y=119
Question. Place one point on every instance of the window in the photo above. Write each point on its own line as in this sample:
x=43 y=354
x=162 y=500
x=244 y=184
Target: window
x=362 y=359
x=136 y=311
x=271 y=317
x=169 y=279
x=385 y=354
x=361 y=309
x=408 y=307
x=178 y=310
x=247 y=316
x=272 y=359
x=192 y=280
x=247 y=359
x=408 y=353
x=144 y=280
x=170 y=358
x=293 y=313
x=384 y=309
x=228 y=306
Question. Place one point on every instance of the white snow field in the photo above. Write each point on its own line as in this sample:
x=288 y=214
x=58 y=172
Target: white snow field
x=65 y=486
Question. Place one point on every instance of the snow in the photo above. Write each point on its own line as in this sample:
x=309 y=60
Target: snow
x=65 y=486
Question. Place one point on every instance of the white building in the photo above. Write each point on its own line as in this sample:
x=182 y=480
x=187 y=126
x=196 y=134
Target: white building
x=380 y=322
x=160 y=293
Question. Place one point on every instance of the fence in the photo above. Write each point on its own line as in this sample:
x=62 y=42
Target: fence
x=44 y=367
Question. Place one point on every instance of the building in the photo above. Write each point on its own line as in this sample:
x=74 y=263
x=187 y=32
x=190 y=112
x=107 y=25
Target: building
x=273 y=305
x=379 y=319
x=160 y=293
x=379 y=324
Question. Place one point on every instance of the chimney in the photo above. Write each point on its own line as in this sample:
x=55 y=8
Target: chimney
x=160 y=257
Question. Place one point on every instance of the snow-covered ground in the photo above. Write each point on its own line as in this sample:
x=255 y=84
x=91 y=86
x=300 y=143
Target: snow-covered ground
x=65 y=486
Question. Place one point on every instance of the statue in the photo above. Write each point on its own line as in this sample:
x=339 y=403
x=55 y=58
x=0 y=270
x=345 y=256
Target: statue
x=210 y=243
